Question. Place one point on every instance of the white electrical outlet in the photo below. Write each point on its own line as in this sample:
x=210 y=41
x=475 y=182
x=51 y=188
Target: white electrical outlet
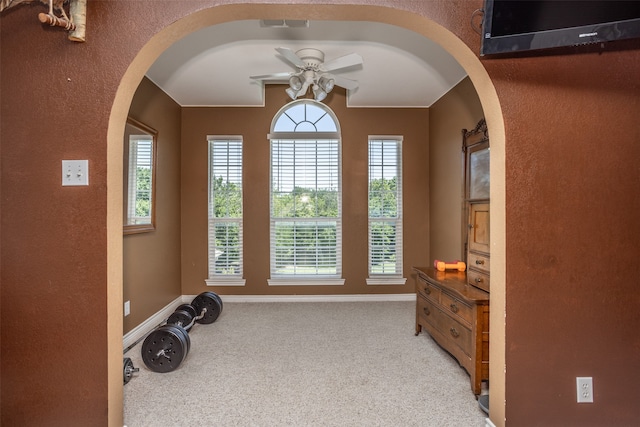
x=584 y=388
x=75 y=172
x=127 y=308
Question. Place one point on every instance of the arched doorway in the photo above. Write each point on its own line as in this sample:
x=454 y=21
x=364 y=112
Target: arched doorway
x=417 y=23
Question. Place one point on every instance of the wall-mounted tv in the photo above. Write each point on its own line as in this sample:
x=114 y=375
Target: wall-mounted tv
x=514 y=25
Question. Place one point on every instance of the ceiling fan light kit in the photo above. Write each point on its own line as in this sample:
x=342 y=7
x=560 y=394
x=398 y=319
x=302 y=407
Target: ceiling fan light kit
x=295 y=82
x=326 y=83
x=313 y=72
x=318 y=94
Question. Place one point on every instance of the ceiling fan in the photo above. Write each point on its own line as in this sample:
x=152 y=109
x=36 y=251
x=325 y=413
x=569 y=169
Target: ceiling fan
x=313 y=72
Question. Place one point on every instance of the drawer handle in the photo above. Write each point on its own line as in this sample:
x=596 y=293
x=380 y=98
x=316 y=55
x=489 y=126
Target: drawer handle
x=478 y=279
x=427 y=291
x=479 y=261
x=426 y=311
x=454 y=333
x=454 y=308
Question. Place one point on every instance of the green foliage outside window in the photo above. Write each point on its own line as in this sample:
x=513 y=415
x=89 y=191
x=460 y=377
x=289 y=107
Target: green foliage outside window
x=383 y=199
x=305 y=203
x=143 y=192
x=306 y=247
x=227 y=203
x=383 y=204
x=227 y=199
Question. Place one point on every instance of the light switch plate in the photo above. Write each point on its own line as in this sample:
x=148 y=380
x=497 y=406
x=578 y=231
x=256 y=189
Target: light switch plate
x=75 y=172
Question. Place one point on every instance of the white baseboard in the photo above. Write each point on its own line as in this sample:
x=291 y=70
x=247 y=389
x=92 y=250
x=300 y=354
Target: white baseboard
x=319 y=298
x=140 y=331
x=133 y=336
x=488 y=423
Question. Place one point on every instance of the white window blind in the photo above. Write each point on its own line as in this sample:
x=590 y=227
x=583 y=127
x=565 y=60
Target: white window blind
x=385 y=210
x=306 y=223
x=225 y=211
x=140 y=179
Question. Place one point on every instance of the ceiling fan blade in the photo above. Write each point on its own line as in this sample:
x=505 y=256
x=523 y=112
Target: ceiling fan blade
x=345 y=83
x=274 y=76
x=342 y=62
x=291 y=56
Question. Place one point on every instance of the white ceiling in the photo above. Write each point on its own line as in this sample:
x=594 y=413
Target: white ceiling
x=211 y=67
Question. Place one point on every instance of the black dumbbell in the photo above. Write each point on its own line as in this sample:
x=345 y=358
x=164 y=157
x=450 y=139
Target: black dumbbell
x=164 y=349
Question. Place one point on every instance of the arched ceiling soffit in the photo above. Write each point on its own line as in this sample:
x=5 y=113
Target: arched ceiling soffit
x=211 y=66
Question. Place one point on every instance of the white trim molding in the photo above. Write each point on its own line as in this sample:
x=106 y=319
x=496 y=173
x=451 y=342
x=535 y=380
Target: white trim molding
x=305 y=282
x=386 y=280
x=225 y=282
x=319 y=298
x=488 y=423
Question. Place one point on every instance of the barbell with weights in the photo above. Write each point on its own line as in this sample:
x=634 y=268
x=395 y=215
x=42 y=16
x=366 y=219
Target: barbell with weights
x=165 y=348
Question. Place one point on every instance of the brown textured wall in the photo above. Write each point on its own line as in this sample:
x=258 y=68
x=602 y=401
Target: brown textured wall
x=571 y=196
x=459 y=109
x=254 y=124
x=54 y=240
x=572 y=235
x=57 y=98
x=151 y=261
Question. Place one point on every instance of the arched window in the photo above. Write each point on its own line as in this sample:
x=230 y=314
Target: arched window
x=306 y=196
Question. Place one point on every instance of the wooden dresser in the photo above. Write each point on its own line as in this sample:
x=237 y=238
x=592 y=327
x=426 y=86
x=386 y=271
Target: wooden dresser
x=456 y=315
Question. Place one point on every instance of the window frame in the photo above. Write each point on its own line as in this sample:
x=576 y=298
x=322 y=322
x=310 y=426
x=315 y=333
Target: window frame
x=136 y=129
x=303 y=133
x=396 y=277
x=214 y=278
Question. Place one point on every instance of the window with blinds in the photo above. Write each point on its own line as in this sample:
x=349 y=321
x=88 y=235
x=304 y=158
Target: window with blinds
x=385 y=210
x=140 y=179
x=306 y=222
x=225 y=211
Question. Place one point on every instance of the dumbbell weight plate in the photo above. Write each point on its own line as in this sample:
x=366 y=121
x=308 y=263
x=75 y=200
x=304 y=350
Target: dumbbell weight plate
x=165 y=348
x=210 y=302
x=188 y=308
x=127 y=369
x=185 y=336
x=180 y=318
x=216 y=296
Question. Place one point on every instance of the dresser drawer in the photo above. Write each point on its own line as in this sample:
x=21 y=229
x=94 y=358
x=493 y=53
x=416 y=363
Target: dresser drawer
x=478 y=262
x=424 y=309
x=428 y=290
x=478 y=279
x=449 y=329
x=457 y=307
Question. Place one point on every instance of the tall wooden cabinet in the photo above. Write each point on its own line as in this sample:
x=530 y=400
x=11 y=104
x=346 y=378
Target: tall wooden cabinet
x=475 y=146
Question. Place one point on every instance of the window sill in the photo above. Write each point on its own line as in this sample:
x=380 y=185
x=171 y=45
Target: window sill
x=386 y=280
x=298 y=281
x=231 y=281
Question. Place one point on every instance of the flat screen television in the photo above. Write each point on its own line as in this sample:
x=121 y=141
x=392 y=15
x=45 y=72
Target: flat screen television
x=511 y=26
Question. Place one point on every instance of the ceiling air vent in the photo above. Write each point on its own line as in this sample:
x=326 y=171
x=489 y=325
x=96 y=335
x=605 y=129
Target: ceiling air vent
x=284 y=23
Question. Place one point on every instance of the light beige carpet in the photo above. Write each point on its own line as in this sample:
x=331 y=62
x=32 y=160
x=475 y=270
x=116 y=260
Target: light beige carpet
x=306 y=364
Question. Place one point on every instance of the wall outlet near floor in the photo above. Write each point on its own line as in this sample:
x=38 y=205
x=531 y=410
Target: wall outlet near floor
x=127 y=308
x=584 y=389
